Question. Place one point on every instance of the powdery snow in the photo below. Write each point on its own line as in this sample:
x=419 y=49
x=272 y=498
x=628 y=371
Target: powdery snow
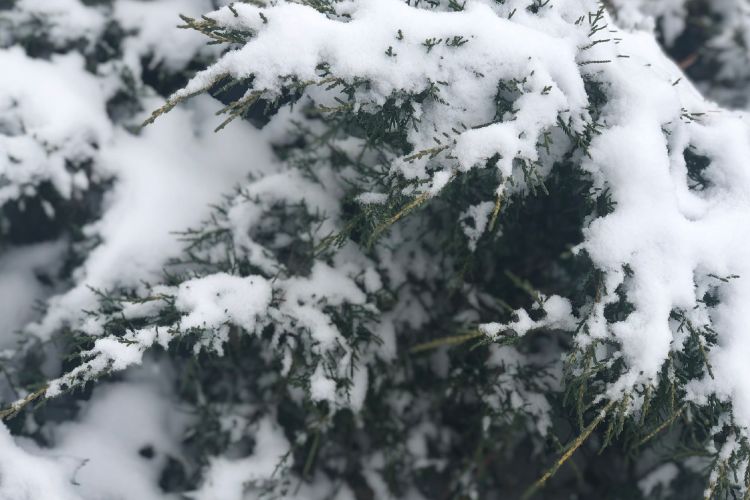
x=487 y=51
x=662 y=248
x=116 y=425
x=20 y=288
x=227 y=479
x=28 y=475
x=558 y=315
x=672 y=238
x=99 y=456
x=167 y=178
x=156 y=35
x=65 y=20
x=44 y=127
x=217 y=299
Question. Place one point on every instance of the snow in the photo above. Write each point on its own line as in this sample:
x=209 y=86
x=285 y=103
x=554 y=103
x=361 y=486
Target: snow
x=43 y=126
x=558 y=315
x=227 y=479
x=67 y=20
x=725 y=50
x=118 y=422
x=671 y=237
x=165 y=184
x=357 y=48
x=661 y=477
x=20 y=289
x=475 y=220
x=663 y=246
x=98 y=456
x=220 y=298
x=326 y=286
x=288 y=186
x=209 y=303
x=322 y=388
x=517 y=396
x=154 y=24
x=28 y=475
x=643 y=13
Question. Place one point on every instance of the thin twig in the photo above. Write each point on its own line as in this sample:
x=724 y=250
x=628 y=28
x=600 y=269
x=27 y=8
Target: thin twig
x=16 y=407
x=661 y=426
x=445 y=341
x=571 y=448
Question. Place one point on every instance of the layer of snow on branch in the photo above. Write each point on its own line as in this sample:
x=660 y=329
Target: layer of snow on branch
x=168 y=178
x=463 y=54
x=45 y=127
x=217 y=299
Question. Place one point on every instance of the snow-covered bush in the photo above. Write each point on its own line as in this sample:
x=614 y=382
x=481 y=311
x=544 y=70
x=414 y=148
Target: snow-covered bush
x=436 y=249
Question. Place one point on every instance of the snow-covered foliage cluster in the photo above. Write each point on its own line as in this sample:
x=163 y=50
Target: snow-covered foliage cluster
x=434 y=249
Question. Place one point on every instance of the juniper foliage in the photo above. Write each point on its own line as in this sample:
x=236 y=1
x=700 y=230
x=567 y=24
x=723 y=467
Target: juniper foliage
x=407 y=316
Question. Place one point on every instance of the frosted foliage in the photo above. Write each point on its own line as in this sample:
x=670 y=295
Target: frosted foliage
x=251 y=250
x=48 y=132
x=146 y=165
x=664 y=245
x=463 y=69
x=64 y=20
x=58 y=124
x=215 y=299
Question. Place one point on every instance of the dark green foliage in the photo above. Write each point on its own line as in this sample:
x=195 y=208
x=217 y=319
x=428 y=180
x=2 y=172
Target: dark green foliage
x=448 y=384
